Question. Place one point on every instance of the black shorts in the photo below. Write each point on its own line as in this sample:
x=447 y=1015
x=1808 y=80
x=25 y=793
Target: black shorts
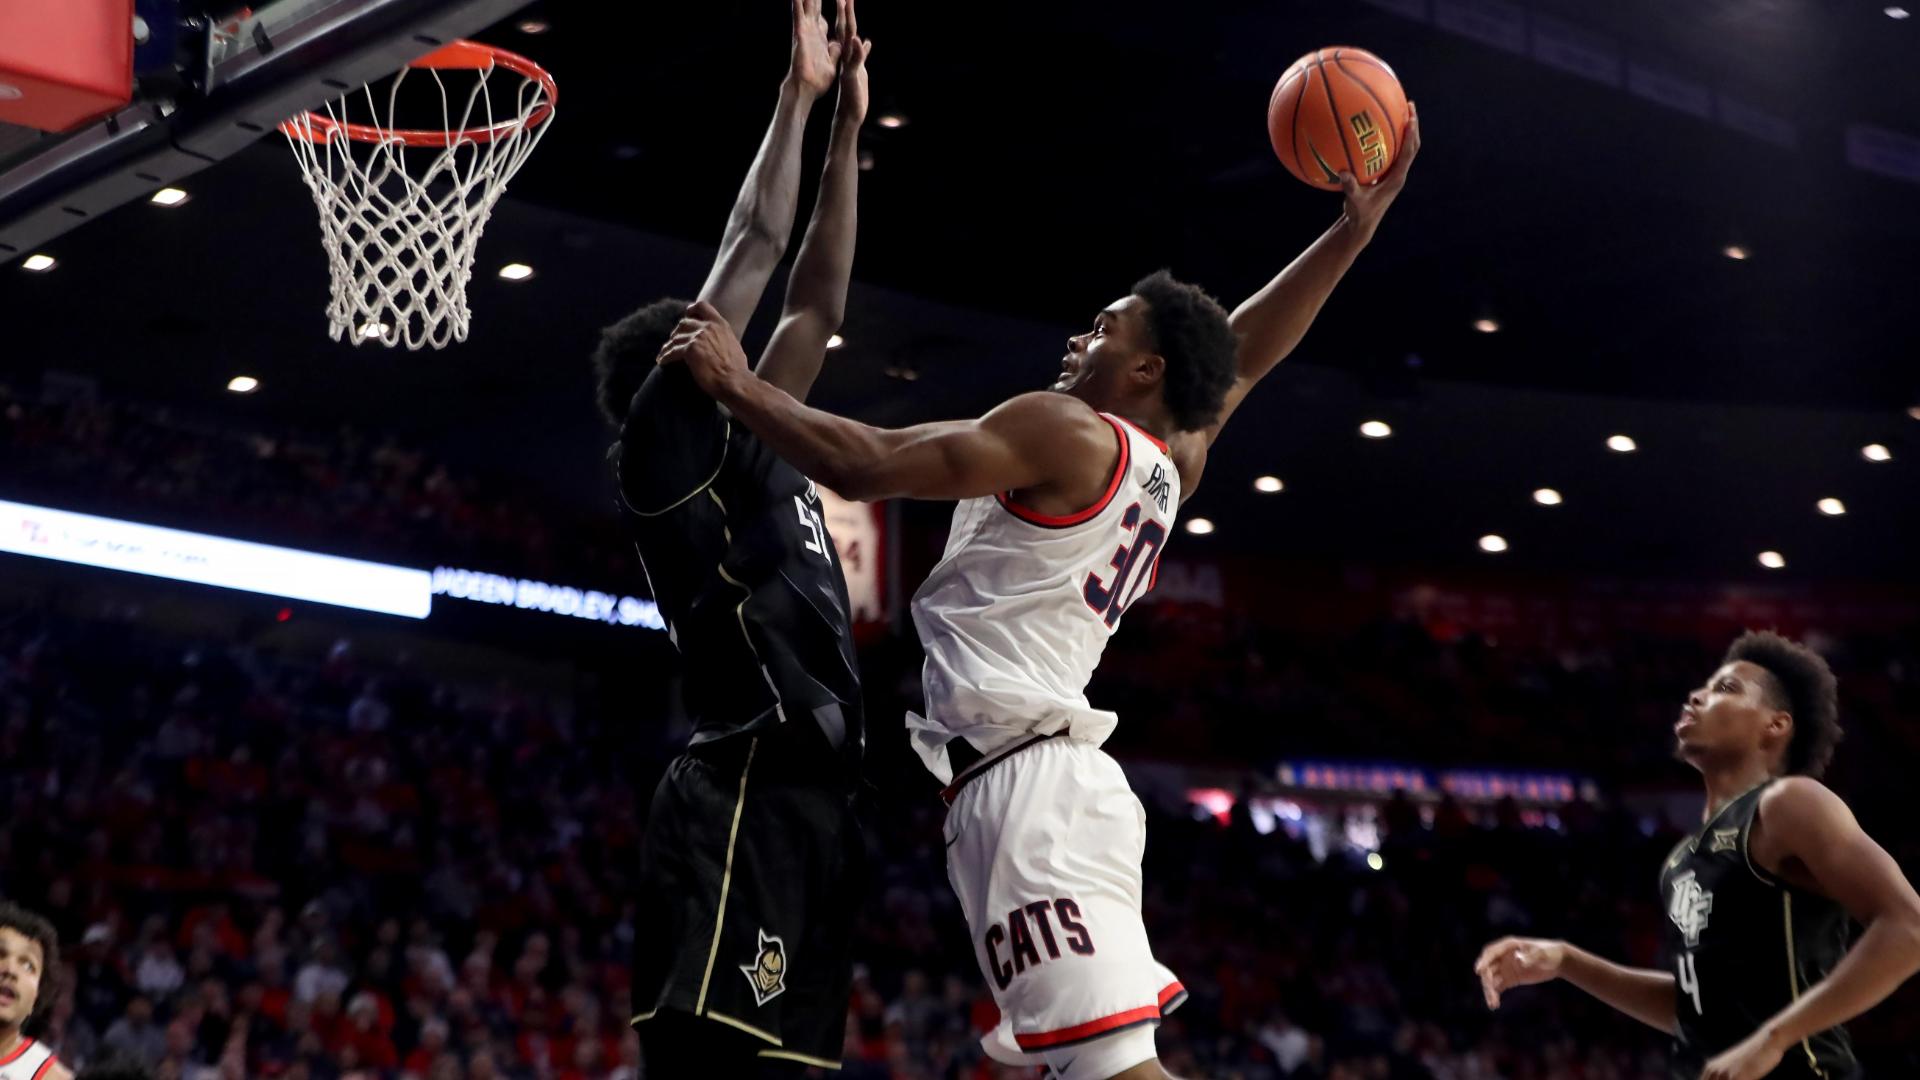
x=752 y=872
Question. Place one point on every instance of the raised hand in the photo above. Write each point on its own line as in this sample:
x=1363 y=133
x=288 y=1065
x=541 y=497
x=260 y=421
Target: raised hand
x=854 y=51
x=1367 y=203
x=816 y=54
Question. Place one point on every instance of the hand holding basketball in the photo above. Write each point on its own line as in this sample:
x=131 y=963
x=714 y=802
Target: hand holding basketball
x=1338 y=110
x=1366 y=203
x=1512 y=962
x=707 y=345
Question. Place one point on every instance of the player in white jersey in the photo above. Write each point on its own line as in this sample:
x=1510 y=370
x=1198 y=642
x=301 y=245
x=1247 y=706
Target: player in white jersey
x=29 y=949
x=1067 y=498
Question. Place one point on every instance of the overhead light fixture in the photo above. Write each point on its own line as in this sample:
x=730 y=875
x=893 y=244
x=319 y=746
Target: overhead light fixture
x=1199 y=526
x=1375 y=862
x=372 y=330
x=834 y=341
x=1896 y=12
x=1772 y=560
x=1493 y=544
x=516 y=271
x=37 y=263
x=1267 y=485
x=1914 y=411
x=1376 y=429
x=1622 y=444
x=1486 y=326
x=168 y=196
x=1832 y=507
x=533 y=26
x=243 y=384
x=1547 y=497
x=1734 y=252
x=891 y=120
x=1876 y=452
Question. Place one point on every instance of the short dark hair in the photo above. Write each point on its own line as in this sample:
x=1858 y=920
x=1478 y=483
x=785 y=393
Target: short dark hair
x=627 y=351
x=36 y=928
x=1191 y=334
x=115 y=1065
x=1802 y=685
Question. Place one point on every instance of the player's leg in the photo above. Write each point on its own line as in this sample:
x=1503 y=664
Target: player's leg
x=1044 y=853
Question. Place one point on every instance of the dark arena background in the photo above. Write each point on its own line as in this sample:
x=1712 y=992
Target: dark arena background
x=1637 y=362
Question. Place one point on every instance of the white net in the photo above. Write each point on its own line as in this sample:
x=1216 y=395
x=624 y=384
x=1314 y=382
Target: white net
x=400 y=221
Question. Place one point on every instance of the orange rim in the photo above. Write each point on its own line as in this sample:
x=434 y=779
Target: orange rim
x=460 y=55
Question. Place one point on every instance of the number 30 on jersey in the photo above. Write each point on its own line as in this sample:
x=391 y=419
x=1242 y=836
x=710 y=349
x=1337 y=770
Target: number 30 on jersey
x=1132 y=565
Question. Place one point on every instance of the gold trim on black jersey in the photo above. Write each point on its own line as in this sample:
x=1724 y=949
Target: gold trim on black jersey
x=726 y=880
x=1793 y=979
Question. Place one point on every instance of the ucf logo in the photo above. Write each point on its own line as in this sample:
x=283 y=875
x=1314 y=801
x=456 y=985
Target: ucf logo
x=1689 y=907
x=768 y=972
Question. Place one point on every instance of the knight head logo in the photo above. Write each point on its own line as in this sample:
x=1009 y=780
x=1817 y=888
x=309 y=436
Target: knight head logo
x=1689 y=907
x=768 y=972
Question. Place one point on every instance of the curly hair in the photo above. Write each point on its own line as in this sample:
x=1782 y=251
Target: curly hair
x=38 y=929
x=1800 y=684
x=1191 y=333
x=626 y=353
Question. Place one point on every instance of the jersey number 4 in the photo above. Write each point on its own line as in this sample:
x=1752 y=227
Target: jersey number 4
x=1689 y=981
x=1131 y=563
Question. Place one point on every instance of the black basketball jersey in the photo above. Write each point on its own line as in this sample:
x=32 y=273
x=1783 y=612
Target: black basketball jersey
x=1744 y=946
x=736 y=548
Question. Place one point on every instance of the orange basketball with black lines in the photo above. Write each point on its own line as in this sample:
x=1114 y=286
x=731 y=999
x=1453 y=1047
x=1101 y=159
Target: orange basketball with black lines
x=1336 y=110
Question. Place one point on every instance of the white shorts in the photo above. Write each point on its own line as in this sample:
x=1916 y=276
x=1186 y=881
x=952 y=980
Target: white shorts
x=1043 y=849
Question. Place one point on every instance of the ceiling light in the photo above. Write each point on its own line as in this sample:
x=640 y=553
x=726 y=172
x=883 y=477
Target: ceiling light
x=1199 y=526
x=1376 y=429
x=1547 y=497
x=834 y=341
x=1267 y=485
x=1876 y=452
x=1486 y=326
x=1772 y=560
x=37 y=263
x=243 y=384
x=1375 y=861
x=1734 y=252
x=891 y=120
x=1493 y=544
x=1897 y=12
x=1914 y=411
x=168 y=196
x=372 y=330
x=533 y=26
x=1622 y=444
x=1832 y=507
x=516 y=271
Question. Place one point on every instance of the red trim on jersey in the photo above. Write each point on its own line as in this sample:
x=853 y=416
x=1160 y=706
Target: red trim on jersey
x=1173 y=990
x=1035 y=517
x=45 y=1067
x=1087 y=1030
x=25 y=1045
x=1148 y=435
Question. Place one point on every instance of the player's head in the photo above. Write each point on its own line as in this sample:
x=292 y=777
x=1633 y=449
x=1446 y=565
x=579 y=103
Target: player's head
x=1771 y=697
x=29 y=953
x=1166 y=341
x=627 y=352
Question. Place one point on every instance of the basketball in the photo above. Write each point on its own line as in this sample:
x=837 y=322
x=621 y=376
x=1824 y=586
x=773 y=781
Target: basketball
x=1336 y=110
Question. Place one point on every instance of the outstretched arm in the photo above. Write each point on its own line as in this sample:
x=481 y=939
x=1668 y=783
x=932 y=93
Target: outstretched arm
x=1271 y=322
x=1031 y=443
x=1647 y=996
x=817 y=290
x=1801 y=820
x=762 y=219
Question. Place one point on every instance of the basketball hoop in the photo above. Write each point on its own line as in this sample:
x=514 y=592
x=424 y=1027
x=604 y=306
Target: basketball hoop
x=400 y=233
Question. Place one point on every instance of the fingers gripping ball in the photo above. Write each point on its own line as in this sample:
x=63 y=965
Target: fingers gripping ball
x=1336 y=110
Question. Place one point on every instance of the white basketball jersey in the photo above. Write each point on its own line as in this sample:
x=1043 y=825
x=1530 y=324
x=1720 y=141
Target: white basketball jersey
x=31 y=1060
x=1017 y=613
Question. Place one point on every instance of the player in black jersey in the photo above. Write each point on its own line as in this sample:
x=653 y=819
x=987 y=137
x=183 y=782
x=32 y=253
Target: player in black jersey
x=1758 y=900
x=751 y=867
